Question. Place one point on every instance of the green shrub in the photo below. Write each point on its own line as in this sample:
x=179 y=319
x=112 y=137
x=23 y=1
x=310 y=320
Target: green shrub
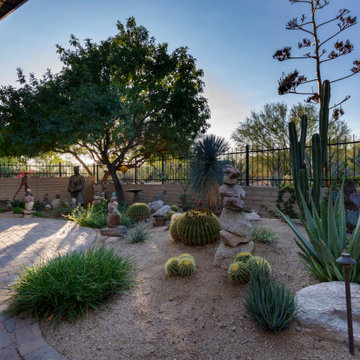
x=198 y=227
x=92 y=216
x=239 y=272
x=18 y=203
x=39 y=214
x=138 y=211
x=2 y=210
x=168 y=214
x=263 y=234
x=269 y=303
x=175 y=208
x=17 y=210
x=126 y=220
x=67 y=286
x=139 y=233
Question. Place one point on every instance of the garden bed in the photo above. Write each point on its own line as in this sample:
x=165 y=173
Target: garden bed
x=199 y=317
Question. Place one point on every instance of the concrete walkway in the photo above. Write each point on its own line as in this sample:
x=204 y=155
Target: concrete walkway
x=24 y=242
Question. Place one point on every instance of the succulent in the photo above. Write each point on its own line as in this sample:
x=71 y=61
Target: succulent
x=185 y=255
x=260 y=261
x=198 y=227
x=186 y=266
x=239 y=272
x=175 y=208
x=173 y=229
x=243 y=257
x=172 y=267
x=138 y=211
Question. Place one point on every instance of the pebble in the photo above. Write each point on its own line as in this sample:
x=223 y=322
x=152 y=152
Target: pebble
x=297 y=328
x=233 y=328
x=244 y=341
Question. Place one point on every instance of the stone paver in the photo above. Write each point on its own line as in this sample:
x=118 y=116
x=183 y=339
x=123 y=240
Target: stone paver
x=24 y=242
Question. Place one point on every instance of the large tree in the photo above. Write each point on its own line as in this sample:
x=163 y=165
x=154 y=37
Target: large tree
x=316 y=43
x=268 y=128
x=119 y=101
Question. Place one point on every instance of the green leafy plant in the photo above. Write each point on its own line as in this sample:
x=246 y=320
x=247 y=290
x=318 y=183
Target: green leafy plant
x=92 y=216
x=17 y=210
x=263 y=234
x=138 y=211
x=18 y=203
x=175 y=208
x=67 y=286
x=139 y=233
x=198 y=227
x=243 y=257
x=269 y=303
x=326 y=230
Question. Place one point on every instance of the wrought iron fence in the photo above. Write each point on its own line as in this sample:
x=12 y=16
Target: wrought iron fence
x=258 y=167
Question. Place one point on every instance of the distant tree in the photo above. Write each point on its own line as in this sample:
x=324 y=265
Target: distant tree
x=268 y=129
x=318 y=48
x=119 y=102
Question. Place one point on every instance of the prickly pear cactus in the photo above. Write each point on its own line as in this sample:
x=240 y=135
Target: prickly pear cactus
x=239 y=272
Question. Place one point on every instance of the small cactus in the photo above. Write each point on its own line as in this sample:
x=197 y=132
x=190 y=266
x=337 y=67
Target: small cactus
x=173 y=230
x=138 y=211
x=186 y=266
x=243 y=257
x=175 y=208
x=185 y=255
x=261 y=262
x=239 y=272
x=172 y=267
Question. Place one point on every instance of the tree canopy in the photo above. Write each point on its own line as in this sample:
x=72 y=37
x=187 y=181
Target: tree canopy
x=118 y=101
x=268 y=128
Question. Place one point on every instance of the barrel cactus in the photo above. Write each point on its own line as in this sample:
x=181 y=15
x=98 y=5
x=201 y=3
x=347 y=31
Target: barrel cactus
x=138 y=211
x=172 y=267
x=198 y=227
x=243 y=257
x=186 y=256
x=239 y=272
x=186 y=266
x=173 y=230
x=260 y=261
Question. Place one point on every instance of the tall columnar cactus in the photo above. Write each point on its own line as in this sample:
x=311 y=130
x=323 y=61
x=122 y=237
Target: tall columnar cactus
x=138 y=211
x=198 y=227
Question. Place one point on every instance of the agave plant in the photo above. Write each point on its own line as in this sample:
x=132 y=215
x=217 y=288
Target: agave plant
x=326 y=230
x=206 y=168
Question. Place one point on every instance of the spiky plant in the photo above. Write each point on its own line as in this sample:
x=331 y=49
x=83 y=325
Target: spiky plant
x=185 y=255
x=269 y=303
x=243 y=257
x=256 y=261
x=206 y=168
x=138 y=211
x=186 y=266
x=172 y=267
x=173 y=229
x=239 y=272
x=198 y=227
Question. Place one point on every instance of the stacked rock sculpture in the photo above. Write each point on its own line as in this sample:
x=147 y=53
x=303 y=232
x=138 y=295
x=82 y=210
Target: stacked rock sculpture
x=236 y=227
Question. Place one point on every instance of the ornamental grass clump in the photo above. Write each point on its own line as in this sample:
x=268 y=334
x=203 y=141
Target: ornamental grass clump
x=139 y=233
x=67 y=286
x=263 y=234
x=269 y=303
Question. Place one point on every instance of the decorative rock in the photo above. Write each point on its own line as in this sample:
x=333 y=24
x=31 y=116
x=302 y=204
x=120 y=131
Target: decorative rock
x=118 y=231
x=231 y=239
x=114 y=216
x=58 y=202
x=155 y=206
x=231 y=190
x=253 y=216
x=163 y=210
x=233 y=203
x=322 y=310
x=29 y=200
x=225 y=255
x=235 y=222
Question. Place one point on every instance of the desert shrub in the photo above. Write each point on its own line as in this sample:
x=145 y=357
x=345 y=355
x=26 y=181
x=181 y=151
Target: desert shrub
x=2 y=210
x=138 y=211
x=67 y=286
x=17 y=210
x=263 y=234
x=126 y=220
x=92 y=216
x=139 y=233
x=269 y=303
x=39 y=214
x=18 y=203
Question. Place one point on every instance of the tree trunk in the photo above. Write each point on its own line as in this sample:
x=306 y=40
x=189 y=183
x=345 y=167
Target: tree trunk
x=118 y=188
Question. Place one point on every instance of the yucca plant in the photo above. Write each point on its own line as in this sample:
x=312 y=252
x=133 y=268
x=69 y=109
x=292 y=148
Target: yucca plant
x=326 y=230
x=269 y=303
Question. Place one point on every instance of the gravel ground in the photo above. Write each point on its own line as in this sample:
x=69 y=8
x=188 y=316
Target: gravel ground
x=200 y=317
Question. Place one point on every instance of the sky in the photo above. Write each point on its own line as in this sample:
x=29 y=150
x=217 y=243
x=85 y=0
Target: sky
x=232 y=40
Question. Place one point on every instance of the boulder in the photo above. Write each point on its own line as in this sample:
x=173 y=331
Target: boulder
x=322 y=310
x=113 y=220
x=233 y=203
x=225 y=255
x=163 y=210
x=235 y=222
x=155 y=206
x=252 y=216
x=118 y=231
x=231 y=239
x=58 y=203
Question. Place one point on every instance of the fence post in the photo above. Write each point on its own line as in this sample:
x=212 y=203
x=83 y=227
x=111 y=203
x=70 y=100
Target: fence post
x=247 y=166
x=59 y=169
x=162 y=168
x=97 y=173
x=94 y=170
x=136 y=171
